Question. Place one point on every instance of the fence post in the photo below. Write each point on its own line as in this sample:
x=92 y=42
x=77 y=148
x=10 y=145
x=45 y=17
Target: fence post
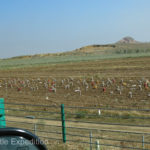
x=2 y=114
x=143 y=142
x=35 y=128
x=91 y=140
x=97 y=145
x=63 y=123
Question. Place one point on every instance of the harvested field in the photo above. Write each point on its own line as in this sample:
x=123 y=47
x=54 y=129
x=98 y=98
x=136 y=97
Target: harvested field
x=114 y=83
x=129 y=70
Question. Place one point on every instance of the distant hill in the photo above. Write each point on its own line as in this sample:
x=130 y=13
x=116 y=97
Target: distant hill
x=125 y=48
x=127 y=44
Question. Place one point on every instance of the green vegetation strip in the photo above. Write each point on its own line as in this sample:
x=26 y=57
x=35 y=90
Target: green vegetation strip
x=36 y=61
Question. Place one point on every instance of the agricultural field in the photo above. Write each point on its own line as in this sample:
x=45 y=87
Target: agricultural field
x=118 y=76
x=106 y=83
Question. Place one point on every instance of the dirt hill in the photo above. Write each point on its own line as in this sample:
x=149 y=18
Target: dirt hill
x=126 y=43
x=128 y=40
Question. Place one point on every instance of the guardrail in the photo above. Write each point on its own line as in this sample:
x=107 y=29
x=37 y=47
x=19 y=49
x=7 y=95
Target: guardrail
x=103 y=128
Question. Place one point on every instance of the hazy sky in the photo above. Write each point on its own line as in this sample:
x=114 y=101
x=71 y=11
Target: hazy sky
x=48 y=26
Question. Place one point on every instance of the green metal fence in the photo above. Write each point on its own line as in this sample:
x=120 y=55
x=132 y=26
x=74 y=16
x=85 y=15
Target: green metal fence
x=90 y=128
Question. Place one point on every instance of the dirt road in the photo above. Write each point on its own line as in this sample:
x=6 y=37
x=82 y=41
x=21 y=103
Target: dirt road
x=89 y=126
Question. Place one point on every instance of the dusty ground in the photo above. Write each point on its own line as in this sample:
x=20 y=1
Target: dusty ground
x=127 y=69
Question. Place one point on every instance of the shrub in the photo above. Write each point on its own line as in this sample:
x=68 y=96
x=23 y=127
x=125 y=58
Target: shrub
x=81 y=114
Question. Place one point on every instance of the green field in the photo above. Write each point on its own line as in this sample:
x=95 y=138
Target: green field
x=46 y=60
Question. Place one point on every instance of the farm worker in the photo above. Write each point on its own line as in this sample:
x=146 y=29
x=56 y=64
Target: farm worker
x=130 y=94
x=113 y=80
x=19 y=89
x=95 y=86
x=145 y=85
x=86 y=86
x=53 y=82
x=92 y=83
x=97 y=82
x=140 y=87
x=104 y=89
x=78 y=90
x=9 y=85
x=147 y=81
x=62 y=82
x=54 y=89
x=121 y=81
x=83 y=82
x=124 y=83
x=99 y=112
x=50 y=90
x=103 y=83
x=109 y=81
